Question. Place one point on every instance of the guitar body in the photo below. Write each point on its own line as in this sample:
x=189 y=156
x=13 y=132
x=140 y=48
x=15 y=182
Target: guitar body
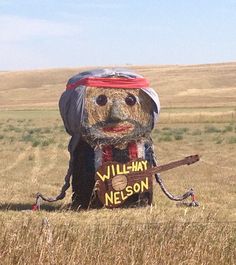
x=116 y=187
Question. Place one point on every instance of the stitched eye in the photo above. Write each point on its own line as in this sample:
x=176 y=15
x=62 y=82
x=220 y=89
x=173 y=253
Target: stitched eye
x=101 y=100
x=130 y=100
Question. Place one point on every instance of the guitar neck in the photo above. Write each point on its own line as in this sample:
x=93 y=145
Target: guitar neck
x=168 y=166
x=154 y=170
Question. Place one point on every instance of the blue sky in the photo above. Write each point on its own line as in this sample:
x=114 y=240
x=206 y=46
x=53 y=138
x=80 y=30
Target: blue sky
x=48 y=33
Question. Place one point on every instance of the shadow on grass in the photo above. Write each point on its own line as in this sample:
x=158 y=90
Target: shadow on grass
x=26 y=206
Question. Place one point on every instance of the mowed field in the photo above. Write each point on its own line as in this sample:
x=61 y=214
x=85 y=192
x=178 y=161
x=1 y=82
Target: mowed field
x=198 y=116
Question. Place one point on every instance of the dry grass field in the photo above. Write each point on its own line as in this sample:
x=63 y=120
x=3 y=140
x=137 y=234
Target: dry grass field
x=198 y=117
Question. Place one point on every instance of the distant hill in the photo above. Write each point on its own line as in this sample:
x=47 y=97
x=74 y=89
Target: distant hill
x=179 y=86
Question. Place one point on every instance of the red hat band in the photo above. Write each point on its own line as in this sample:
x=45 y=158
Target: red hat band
x=121 y=82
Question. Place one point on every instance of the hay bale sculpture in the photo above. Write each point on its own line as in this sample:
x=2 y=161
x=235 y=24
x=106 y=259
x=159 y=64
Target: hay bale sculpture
x=110 y=114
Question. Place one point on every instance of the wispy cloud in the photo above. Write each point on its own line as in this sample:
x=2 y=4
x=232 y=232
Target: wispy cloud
x=15 y=28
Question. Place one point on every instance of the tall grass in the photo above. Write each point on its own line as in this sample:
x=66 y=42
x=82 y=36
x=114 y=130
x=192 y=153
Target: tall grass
x=36 y=241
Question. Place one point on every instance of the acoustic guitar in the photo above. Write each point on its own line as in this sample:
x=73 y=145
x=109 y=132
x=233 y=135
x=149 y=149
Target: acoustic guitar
x=116 y=182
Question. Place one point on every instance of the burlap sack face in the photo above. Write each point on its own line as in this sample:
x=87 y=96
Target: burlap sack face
x=116 y=121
